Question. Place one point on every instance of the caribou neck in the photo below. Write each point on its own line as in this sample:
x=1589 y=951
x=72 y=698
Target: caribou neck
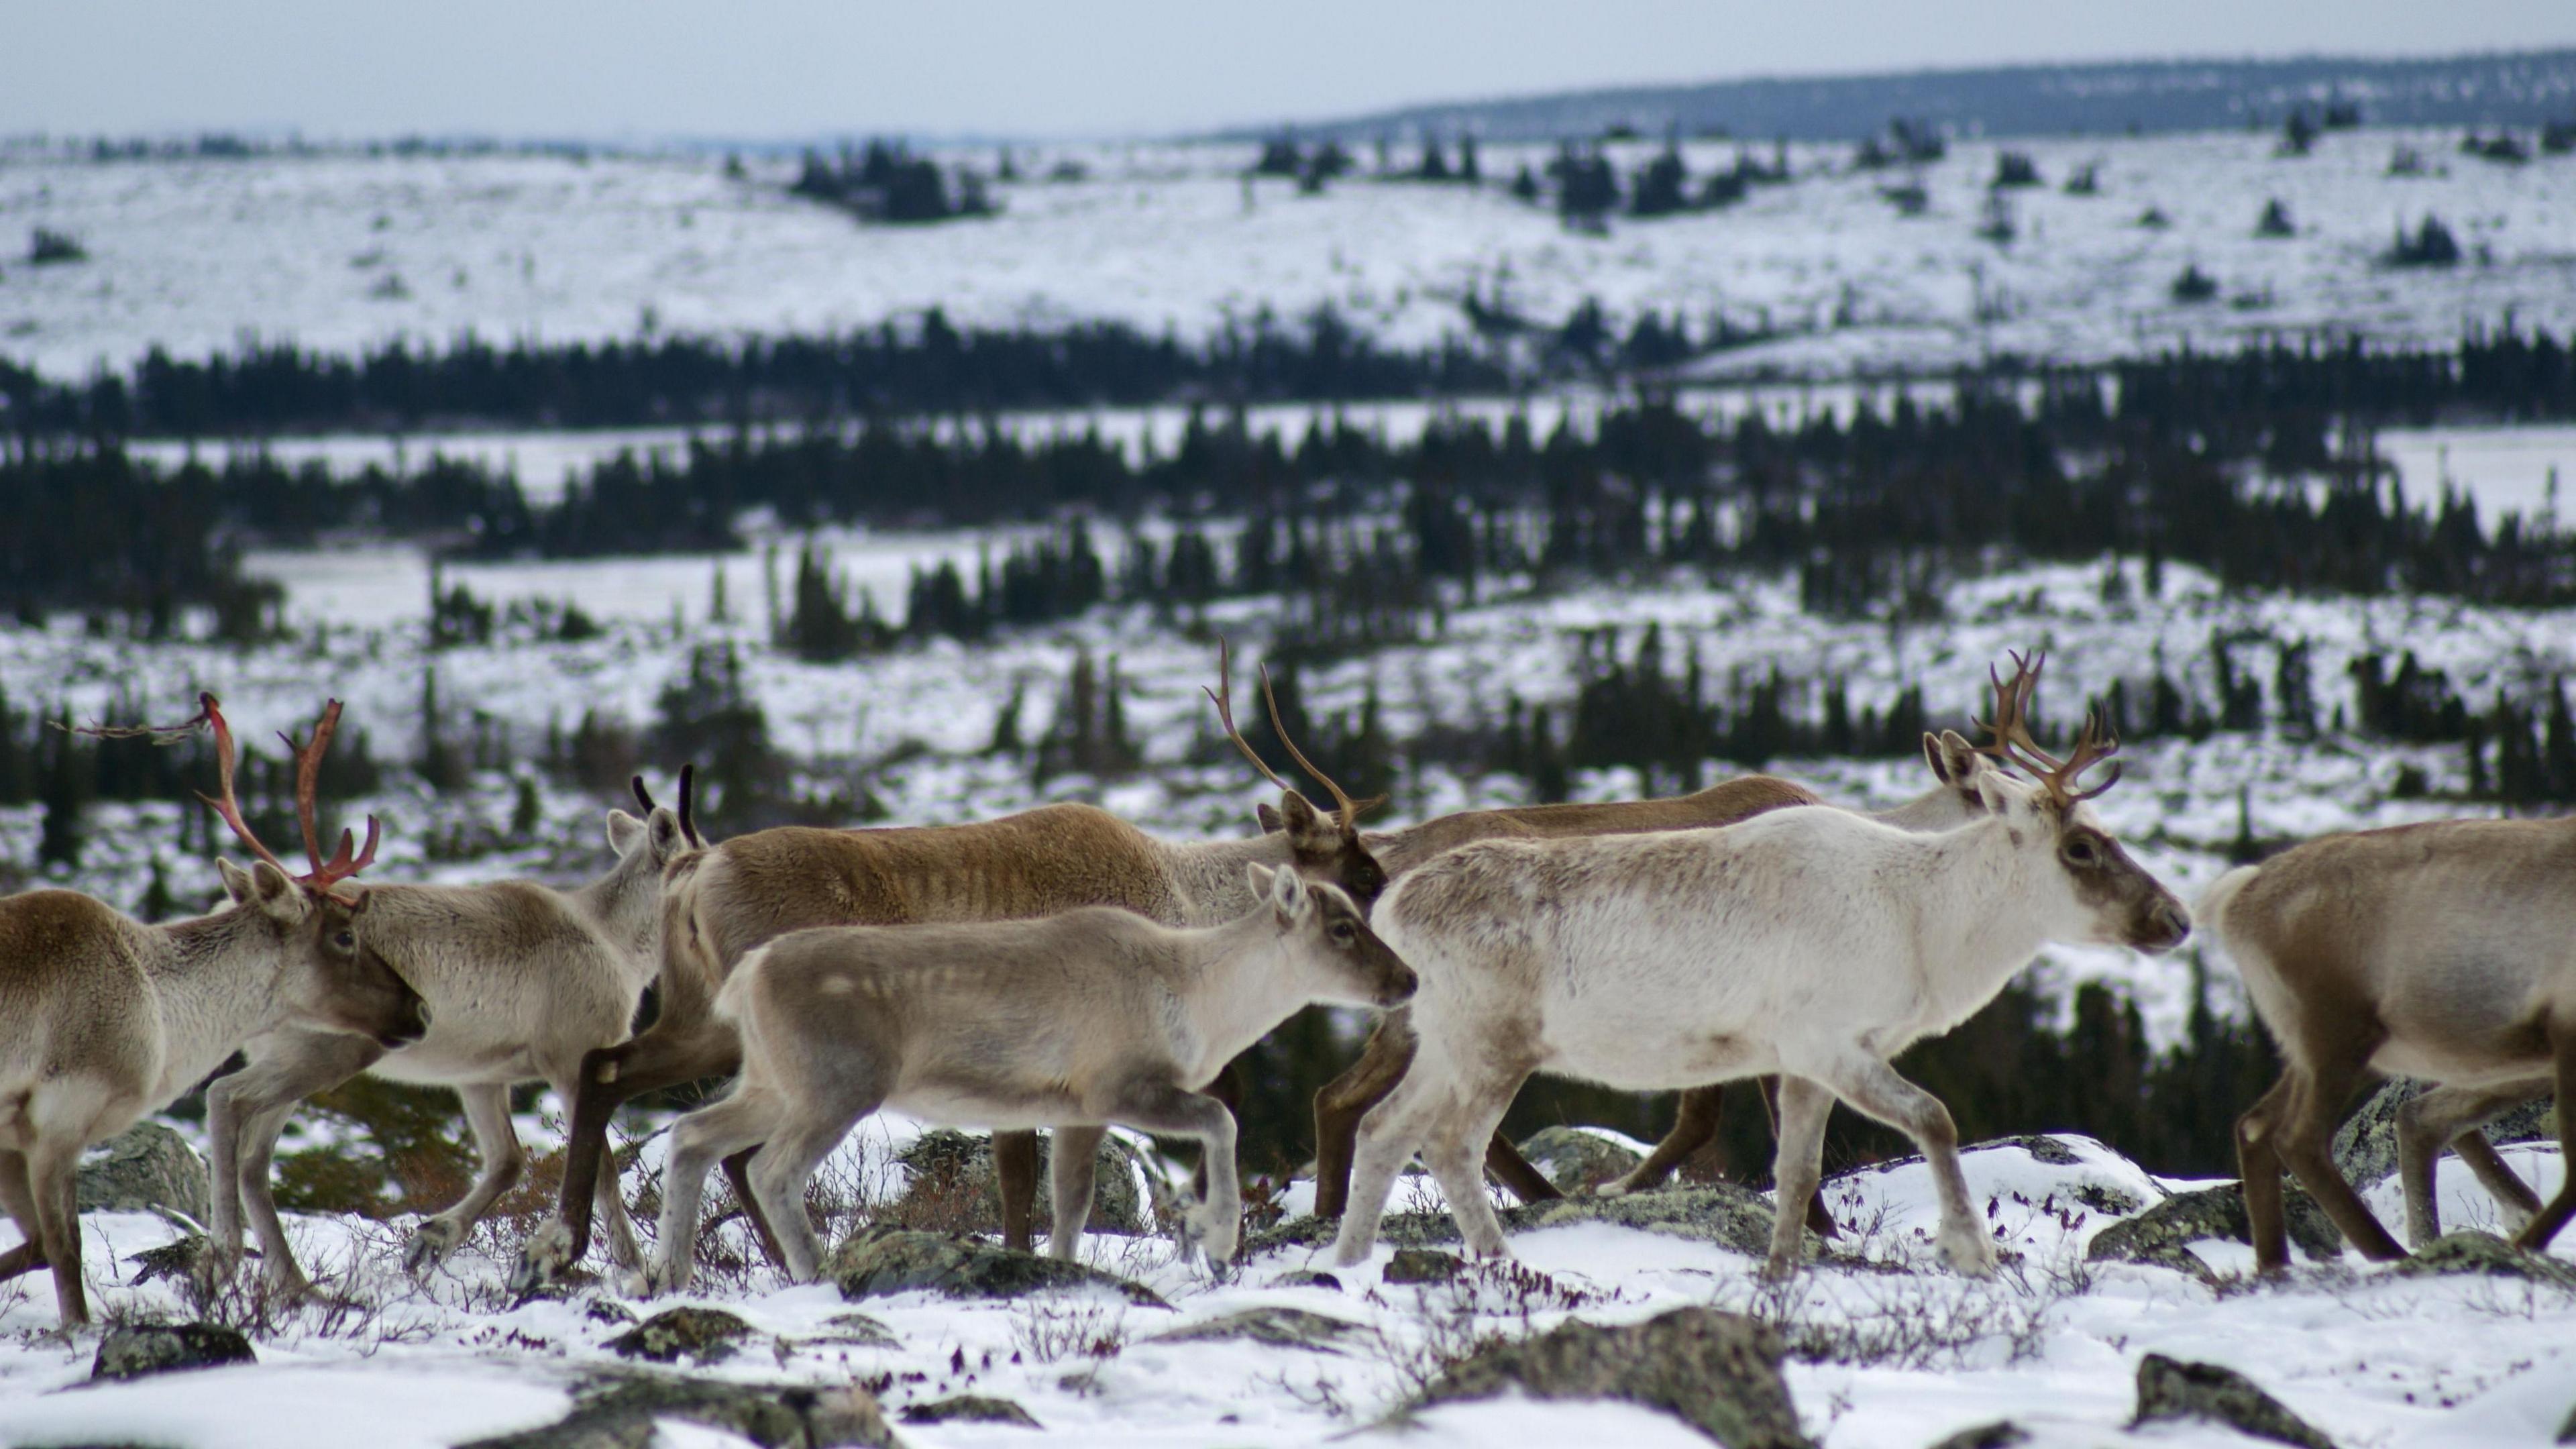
x=215 y=986
x=627 y=901
x=1235 y=982
x=1208 y=875
x=1977 y=921
x=1934 y=809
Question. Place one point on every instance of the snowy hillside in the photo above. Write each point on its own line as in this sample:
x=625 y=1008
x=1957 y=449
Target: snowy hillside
x=339 y=250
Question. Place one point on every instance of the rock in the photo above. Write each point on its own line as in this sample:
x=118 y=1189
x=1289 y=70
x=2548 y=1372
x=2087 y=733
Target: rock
x=2567 y=1431
x=1423 y=1265
x=2160 y=1234
x=857 y=1329
x=1574 y=1159
x=703 y=1335
x=2365 y=1147
x=2040 y=1147
x=2473 y=1252
x=953 y=1188
x=131 y=1350
x=1721 y=1213
x=1717 y=1372
x=1278 y=1327
x=971 y=1409
x=1307 y=1278
x=2170 y=1390
x=620 y=1411
x=884 y=1262
x=610 y=1312
x=2001 y=1434
x=146 y=1168
x=174 y=1261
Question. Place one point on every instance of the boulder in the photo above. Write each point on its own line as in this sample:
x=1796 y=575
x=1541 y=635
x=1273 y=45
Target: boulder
x=2001 y=1434
x=2170 y=1390
x=1423 y=1265
x=1721 y=1213
x=1718 y=1372
x=146 y=1168
x=881 y=1262
x=702 y=1335
x=1576 y=1160
x=2160 y=1234
x=857 y=1330
x=620 y=1410
x=132 y=1350
x=2485 y=1253
x=1307 y=1278
x=2365 y=1147
x=1277 y=1327
x=953 y=1187
x=175 y=1261
x=970 y=1409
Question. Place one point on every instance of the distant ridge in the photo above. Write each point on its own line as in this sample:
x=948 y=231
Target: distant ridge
x=2520 y=88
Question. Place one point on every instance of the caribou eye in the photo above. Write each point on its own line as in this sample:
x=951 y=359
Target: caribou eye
x=2080 y=851
x=1344 y=933
x=346 y=941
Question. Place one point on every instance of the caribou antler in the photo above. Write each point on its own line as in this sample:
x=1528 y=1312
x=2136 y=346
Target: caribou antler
x=2013 y=743
x=688 y=823
x=308 y=789
x=210 y=711
x=344 y=863
x=1347 y=811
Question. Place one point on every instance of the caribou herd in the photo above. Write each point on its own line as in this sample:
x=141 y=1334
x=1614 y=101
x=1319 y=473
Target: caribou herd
x=1061 y=969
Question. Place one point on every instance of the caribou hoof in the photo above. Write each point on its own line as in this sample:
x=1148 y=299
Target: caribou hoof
x=542 y=1260
x=430 y=1245
x=1970 y=1256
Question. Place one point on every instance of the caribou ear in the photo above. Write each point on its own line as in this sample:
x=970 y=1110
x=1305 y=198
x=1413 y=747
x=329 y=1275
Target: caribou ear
x=624 y=832
x=273 y=891
x=1271 y=824
x=669 y=836
x=1307 y=831
x=1289 y=896
x=1259 y=876
x=1954 y=759
x=1998 y=797
x=236 y=880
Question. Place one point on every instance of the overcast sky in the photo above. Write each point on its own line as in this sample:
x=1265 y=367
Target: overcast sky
x=758 y=68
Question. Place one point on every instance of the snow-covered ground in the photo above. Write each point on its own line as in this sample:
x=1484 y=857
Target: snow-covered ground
x=1889 y=1353
x=340 y=250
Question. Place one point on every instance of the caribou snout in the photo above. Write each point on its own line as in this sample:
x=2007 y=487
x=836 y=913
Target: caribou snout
x=410 y=1022
x=2165 y=925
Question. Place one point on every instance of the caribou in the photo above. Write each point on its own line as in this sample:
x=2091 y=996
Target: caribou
x=1340 y=1103
x=720 y=902
x=1807 y=942
x=1084 y=1019
x=2434 y=951
x=104 y=1018
x=522 y=981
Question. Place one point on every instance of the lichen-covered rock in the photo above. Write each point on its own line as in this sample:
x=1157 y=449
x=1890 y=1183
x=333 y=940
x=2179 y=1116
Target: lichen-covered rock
x=1423 y=1265
x=174 y=1261
x=2169 y=1390
x=2160 y=1235
x=621 y=1411
x=2474 y=1252
x=2001 y=1434
x=132 y=1350
x=145 y=1168
x=1574 y=1159
x=1307 y=1278
x=1278 y=1327
x=855 y=1329
x=2365 y=1147
x=1717 y=1372
x=953 y=1188
x=702 y=1335
x=1721 y=1213
x=970 y=1409
x=882 y=1262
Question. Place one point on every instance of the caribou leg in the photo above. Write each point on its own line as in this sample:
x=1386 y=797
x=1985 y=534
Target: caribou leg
x=1343 y=1101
